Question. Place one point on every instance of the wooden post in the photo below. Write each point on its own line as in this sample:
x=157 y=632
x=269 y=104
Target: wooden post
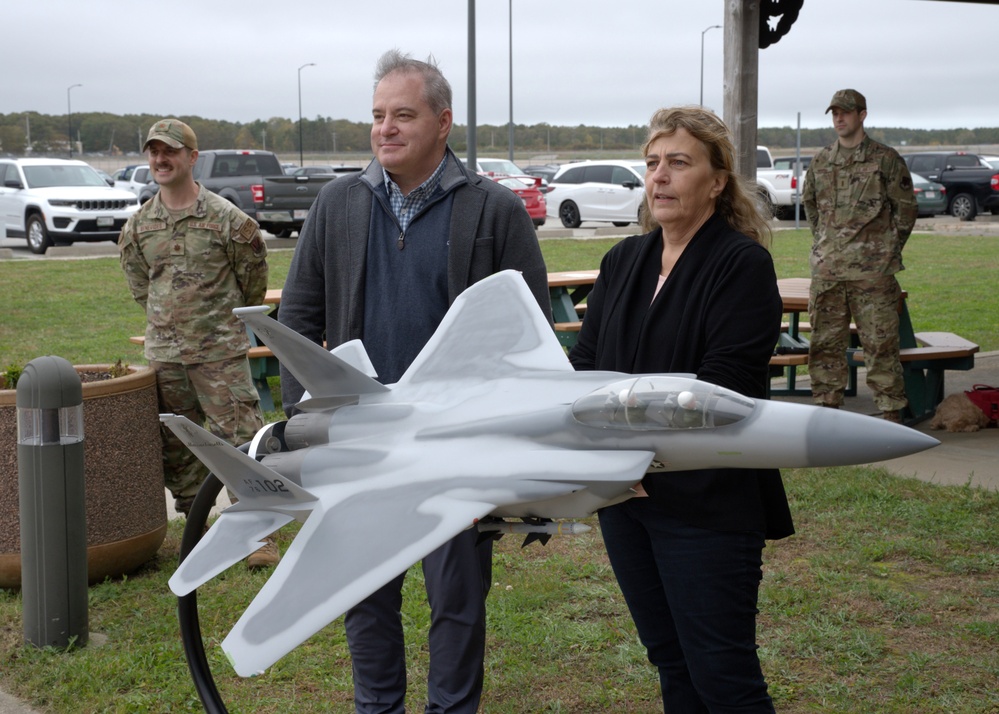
x=742 y=41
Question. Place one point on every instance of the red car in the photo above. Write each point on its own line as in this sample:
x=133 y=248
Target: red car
x=529 y=190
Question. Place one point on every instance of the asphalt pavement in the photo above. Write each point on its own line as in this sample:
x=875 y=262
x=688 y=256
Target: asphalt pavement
x=17 y=248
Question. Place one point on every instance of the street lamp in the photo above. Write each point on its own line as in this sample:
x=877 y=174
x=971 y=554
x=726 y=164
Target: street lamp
x=301 y=155
x=511 y=81
x=69 y=116
x=703 y=32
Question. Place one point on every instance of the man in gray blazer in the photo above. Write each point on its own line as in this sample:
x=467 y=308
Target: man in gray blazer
x=381 y=257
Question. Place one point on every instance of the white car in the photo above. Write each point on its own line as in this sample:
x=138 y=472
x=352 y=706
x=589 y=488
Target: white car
x=611 y=191
x=132 y=178
x=503 y=167
x=50 y=201
x=499 y=167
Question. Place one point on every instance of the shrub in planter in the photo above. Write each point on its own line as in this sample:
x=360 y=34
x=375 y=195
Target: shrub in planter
x=126 y=505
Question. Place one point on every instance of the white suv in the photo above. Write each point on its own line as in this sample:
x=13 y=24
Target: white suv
x=597 y=191
x=51 y=201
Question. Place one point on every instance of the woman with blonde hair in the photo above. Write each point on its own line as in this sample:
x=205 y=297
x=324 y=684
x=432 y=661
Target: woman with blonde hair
x=697 y=293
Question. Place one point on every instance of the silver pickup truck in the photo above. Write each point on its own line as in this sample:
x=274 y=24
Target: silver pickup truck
x=255 y=182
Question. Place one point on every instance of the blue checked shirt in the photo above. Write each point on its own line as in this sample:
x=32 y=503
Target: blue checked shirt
x=405 y=207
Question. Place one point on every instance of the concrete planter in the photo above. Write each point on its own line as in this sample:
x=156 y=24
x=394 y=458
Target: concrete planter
x=126 y=506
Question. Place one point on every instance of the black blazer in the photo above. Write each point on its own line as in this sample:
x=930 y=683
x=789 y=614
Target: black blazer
x=718 y=316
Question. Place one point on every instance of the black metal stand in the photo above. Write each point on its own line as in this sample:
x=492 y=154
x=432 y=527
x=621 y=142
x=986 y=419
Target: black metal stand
x=187 y=605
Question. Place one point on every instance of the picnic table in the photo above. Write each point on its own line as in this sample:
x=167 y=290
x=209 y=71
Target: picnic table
x=925 y=356
x=567 y=290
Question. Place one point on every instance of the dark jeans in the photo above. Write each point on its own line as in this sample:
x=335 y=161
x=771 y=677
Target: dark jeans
x=692 y=593
x=457 y=576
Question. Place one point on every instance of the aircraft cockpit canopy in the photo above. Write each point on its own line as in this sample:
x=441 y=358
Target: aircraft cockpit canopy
x=658 y=403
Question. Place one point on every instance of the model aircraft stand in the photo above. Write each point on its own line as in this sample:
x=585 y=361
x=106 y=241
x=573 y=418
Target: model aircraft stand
x=187 y=605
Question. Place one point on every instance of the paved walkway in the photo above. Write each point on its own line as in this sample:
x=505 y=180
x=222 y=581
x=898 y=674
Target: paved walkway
x=961 y=458
x=10 y=705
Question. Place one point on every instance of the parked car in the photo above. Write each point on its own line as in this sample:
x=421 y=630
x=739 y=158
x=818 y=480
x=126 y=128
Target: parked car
x=972 y=187
x=931 y=197
x=545 y=171
x=788 y=162
x=132 y=178
x=325 y=170
x=992 y=161
x=148 y=191
x=288 y=167
x=610 y=190
x=499 y=167
x=502 y=167
x=47 y=201
x=779 y=182
x=124 y=173
x=108 y=179
x=529 y=190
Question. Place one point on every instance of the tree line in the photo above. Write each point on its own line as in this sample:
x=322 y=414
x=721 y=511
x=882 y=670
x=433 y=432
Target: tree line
x=96 y=133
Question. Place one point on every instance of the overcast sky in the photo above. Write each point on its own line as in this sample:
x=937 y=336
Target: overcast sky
x=921 y=63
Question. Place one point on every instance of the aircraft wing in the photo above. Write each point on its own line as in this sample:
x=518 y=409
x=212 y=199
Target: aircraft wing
x=231 y=538
x=404 y=515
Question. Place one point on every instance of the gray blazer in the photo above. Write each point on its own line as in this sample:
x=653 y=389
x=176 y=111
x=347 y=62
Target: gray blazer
x=323 y=296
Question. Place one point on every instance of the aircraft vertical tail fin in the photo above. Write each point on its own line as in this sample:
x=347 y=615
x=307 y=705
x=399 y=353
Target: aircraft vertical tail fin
x=322 y=373
x=494 y=328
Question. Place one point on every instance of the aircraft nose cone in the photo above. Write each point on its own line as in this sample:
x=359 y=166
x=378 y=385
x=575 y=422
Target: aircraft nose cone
x=836 y=437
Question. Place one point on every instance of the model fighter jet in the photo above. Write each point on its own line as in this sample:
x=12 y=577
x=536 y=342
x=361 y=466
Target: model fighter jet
x=489 y=421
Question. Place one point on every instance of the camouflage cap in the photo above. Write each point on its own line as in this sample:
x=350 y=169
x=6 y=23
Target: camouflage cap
x=172 y=132
x=849 y=100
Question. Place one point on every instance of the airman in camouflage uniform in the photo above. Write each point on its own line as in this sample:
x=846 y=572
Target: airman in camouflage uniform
x=190 y=257
x=860 y=206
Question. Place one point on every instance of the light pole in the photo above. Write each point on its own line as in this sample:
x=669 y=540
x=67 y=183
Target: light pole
x=511 y=81
x=703 y=32
x=69 y=116
x=301 y=152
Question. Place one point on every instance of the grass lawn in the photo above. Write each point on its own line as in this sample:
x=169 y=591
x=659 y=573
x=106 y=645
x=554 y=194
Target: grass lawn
x=886 y=600
x=81 y=309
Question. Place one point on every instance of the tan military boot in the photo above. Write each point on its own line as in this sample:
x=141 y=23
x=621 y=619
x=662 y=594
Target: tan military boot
x=267 y=556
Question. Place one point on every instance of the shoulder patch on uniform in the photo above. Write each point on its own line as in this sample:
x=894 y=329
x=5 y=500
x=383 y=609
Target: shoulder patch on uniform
x=248 y=230
x=907 y=183
x=147 y=227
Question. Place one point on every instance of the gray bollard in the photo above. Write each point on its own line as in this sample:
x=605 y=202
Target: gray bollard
x=52 y=508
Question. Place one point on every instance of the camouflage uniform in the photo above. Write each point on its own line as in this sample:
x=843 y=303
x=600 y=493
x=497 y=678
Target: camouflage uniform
x=861 y=208
x=188 y=274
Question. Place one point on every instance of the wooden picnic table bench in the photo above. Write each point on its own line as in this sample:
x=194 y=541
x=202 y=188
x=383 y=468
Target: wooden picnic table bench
x=923 y=368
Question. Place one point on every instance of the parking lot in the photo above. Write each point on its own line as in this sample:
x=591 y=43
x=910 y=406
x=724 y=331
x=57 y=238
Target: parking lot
x=17 y=248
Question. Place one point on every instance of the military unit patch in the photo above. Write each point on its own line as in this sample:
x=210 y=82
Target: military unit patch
x=248 y=230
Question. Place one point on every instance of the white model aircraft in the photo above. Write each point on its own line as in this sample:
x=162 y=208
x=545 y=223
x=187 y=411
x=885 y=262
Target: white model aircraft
x=489 y=421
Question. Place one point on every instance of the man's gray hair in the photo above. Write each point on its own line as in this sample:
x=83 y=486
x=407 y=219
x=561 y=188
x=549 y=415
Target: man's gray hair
x=436 y=89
